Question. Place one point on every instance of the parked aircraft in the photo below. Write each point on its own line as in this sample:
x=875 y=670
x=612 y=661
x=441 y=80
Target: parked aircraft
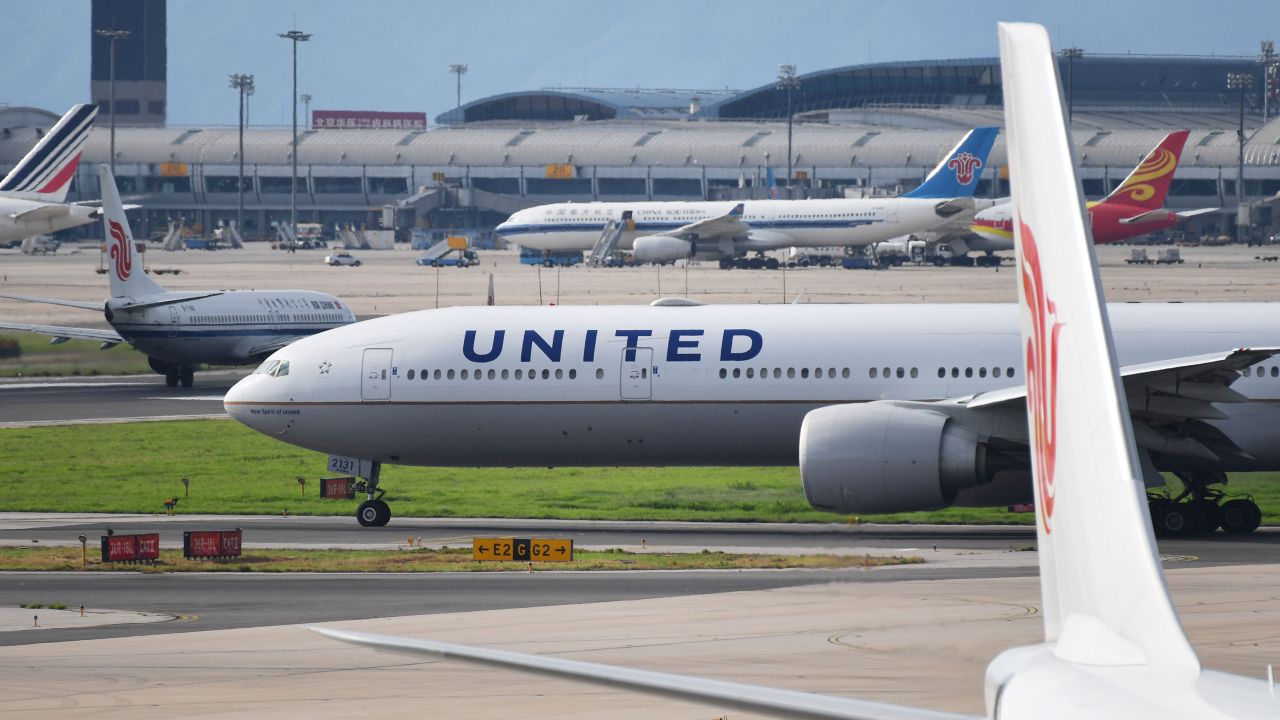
x=1135 y=208
x=179 y=330
x=33 y=194
x=1113 y=646
x=668 y=231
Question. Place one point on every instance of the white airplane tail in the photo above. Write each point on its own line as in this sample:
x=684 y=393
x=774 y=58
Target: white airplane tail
x=128 y=279
x=1105 y=599
x=45 y=172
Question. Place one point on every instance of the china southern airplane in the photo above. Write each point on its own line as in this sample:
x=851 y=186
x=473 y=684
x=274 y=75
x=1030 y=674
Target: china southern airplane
x=668 y=231
x=33 y=195
x=1113 y=645
x=179 y=330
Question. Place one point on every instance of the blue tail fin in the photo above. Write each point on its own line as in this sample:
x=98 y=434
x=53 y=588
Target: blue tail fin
x=771 y=182
x=958 y=173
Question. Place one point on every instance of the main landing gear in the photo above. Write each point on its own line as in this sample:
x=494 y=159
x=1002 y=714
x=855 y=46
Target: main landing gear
x=1202 y=509
x=174 y=375
x=373 y=512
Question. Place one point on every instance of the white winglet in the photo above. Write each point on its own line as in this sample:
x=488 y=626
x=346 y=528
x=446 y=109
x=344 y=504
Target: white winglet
x=128 y=279
x=1105 y=600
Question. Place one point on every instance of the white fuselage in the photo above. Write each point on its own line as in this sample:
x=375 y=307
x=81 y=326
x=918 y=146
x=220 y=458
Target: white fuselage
x=47 y=218
x=706 y=385
x=231 y=328
x=774 y=223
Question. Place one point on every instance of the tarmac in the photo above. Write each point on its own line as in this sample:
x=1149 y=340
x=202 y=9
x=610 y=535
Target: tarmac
x=916 y=643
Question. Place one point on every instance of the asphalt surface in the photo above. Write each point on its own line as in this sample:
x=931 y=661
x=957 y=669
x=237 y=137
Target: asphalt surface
x=47 y=401
x=215 y=601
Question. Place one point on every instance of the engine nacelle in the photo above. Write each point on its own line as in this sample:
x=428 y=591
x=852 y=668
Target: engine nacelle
x=882 y=457
x=661 y=249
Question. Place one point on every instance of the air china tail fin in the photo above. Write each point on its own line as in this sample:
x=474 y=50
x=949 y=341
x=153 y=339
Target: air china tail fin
x=1148 y=184
x=125 y=268
x=45 y=172
x=1105 y=599
x=958 y=173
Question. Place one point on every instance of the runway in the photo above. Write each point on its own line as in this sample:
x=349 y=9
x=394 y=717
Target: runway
x=27 y=402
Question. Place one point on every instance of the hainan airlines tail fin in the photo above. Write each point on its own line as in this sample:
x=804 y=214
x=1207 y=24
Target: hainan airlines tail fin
x=958 y=173
x=1148 y=184
x=128 y=279
x=1105 y=599
x=45 y=172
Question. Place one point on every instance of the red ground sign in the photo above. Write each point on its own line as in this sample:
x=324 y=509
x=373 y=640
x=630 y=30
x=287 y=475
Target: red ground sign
x=130 y=548
x=211 y=543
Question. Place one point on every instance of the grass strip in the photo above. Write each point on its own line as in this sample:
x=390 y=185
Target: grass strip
x=135 y=467
x=424 y=560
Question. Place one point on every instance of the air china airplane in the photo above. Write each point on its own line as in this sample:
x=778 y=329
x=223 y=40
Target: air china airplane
x=179 y=330
x=668 y=231
x=33 y=194
x=1134 y=208
x=1113 y=646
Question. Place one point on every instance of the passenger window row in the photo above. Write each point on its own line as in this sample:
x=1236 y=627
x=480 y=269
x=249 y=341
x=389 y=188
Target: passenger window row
x=1261 y=371
x=777 y=373
x=495 y=374
x=981 y=372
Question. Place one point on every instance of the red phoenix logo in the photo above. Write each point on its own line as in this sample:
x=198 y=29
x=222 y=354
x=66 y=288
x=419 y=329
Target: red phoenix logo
x=1042 y=374
x=965 y=165
x=120 y=251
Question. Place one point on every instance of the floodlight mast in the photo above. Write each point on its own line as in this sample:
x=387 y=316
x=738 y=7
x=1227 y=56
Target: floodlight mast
x=296 y=36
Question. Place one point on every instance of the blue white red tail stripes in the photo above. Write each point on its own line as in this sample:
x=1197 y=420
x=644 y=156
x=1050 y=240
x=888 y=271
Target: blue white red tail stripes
x=45 y=173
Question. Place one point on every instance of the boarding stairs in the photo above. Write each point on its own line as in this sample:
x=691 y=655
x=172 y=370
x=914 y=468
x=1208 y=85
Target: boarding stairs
x=606 y=243
x=437 y=251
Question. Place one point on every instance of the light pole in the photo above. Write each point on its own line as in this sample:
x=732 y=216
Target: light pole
x=1269 y=69
x=243 y=84
x=112 y=36
x=459 y=70
x=1241 y=82
x=296 y=36
x=1071 y=54
x=788 y=81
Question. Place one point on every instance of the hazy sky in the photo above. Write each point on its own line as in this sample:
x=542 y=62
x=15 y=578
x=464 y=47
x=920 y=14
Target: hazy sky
x=394 y=54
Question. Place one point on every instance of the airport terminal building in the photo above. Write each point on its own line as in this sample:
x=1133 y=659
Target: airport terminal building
x=857 y=130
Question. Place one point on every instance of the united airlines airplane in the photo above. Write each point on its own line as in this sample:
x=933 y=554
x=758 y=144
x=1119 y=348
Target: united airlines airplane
x=1113 y=646
x=926 y=400
x=33 y=194
x=180 y=330
x=668 y=231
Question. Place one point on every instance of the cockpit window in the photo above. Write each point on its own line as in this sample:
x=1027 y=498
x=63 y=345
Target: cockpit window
x=282 y=370
x=266 y=368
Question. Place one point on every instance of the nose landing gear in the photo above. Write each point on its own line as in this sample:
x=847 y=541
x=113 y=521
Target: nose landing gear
x=373 y=512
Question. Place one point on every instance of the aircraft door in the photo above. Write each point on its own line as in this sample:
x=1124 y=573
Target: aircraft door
x=375 y=377
x=637 y=374
x=890 y=213
x=173 y=321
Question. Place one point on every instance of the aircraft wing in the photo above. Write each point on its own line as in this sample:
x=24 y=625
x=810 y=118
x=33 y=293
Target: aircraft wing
x=1183 y=215
x=41 y=212
x=741 y=696
x=57 y=331
x=729 y=224
x=55 y=301
x=167 y=300
x=1169 y=401
x=265 y=349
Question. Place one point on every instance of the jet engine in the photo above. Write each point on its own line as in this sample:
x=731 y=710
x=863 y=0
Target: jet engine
x=661 y=249
x=884 y=456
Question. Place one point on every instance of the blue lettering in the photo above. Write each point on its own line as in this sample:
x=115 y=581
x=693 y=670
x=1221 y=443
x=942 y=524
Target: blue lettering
x=469 y=347
x=678 y=343
x=728 y=354
x=552 y=350
x=589 y=351
x=632 y=336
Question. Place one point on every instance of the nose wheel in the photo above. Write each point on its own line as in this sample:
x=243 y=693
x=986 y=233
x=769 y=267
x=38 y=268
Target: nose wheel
x=373 y=512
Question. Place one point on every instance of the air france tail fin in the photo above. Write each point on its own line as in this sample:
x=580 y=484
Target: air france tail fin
x=45 y=172
x=1148 y=184
x=128 y=279
x=1105 y=599
x=958 y=173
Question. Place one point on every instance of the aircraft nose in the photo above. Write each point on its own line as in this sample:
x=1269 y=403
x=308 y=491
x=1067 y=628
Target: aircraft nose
x=252 y=402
